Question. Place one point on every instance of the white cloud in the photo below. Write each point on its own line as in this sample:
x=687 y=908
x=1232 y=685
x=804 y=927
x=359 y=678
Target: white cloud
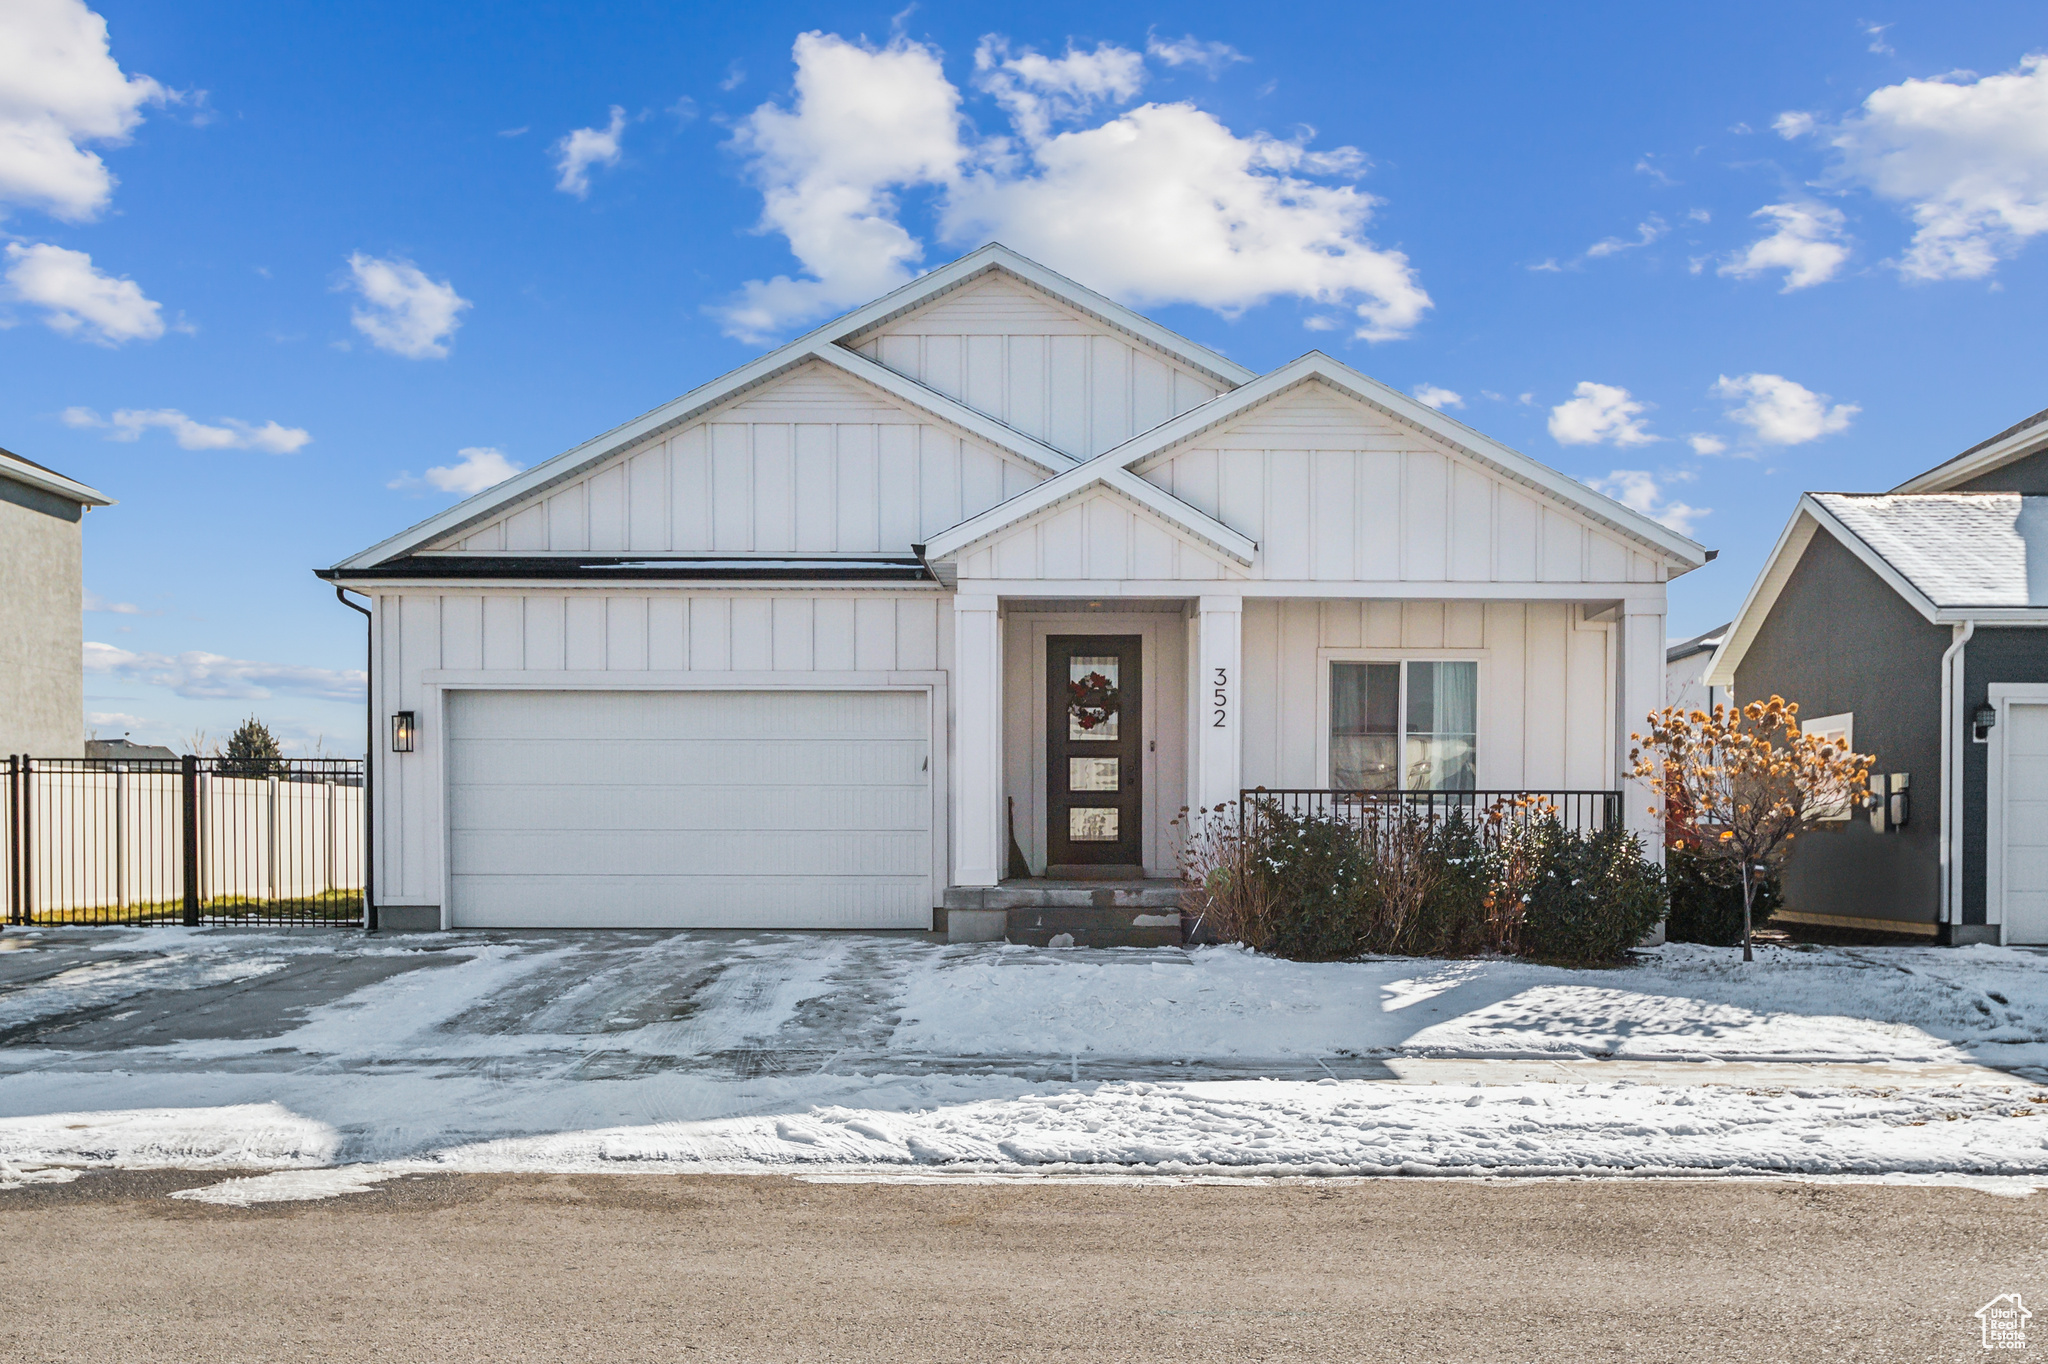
x=1159 y=204
x=1793 y=123
x=95 y=602
x=1189 y=50
x=1599 y=414
x=1429 y=395
x=1807 y=245
x=1647 y=231
x=1639 y=490
x=60 y=87
x=1967 y=157
x=1320 y=323
x=402 y=310
x=480 y=467
x=1037 y=91
x=1703 y=444
x=78 y=300
x=115 y=719
x=584 y=148
x=1877 y=42
x=1780 y=411
x=202 y=675
x=129 y=424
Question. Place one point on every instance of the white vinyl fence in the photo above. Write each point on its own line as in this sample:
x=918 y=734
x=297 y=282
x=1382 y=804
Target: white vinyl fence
x=105 y=841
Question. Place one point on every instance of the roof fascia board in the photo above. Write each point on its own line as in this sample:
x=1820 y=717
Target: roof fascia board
x=1807 y=519
x=693 y=404
x=1127 y=488
x=573 y=461
x=1392 y=402
x=1944 y=477
x=1078 y=480
x=996 y=256
x=50 y=481
x=949 y=410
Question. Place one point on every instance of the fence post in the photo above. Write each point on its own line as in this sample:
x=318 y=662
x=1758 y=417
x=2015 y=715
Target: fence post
x=28 y=840
x=191 y=832
x=14 y=839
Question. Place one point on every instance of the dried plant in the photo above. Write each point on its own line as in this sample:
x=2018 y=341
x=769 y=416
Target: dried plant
x=1741 y=784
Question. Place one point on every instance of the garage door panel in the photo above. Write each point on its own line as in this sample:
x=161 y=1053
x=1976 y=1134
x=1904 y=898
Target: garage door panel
x=600 y=808
x=766 y=854
x=2025 y=865
x=727 y=902
x=780 y=761
x=626 y=715
x=758 y=809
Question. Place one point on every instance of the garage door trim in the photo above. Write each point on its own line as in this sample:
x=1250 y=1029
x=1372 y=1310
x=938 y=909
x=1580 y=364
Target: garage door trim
x=438 y=683
x=2004 y=696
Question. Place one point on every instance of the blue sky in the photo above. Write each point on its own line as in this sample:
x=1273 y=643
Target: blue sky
x=269 y=266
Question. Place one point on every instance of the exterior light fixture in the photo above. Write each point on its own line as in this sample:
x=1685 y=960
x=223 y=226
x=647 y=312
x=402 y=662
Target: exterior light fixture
x=1983 y=720
x=404 y=725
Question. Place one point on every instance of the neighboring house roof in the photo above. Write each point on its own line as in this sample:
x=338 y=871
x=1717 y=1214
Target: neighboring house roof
x=2015 y=442
x=27 y=472
x=1698 y=644
x=122 y=748
x=1951 y=556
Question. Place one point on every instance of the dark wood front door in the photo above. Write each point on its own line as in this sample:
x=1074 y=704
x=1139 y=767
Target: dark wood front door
x=1094 y=739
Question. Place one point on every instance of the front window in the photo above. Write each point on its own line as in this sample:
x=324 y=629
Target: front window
x=1410 y=726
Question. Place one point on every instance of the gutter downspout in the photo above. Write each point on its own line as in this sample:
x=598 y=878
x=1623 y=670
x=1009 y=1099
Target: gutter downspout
x=369 y=758
x=1951 y=776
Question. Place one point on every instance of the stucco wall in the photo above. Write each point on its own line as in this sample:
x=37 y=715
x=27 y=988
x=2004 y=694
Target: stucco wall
x=1838 y=639
x=42 y=686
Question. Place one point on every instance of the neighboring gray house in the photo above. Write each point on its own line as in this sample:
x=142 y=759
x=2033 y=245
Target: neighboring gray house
x=42 y=637
x=1911 y=623
x=1685 y=671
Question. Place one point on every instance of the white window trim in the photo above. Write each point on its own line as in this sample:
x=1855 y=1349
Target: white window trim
x=1325 y=657
x=2002 y=695
x=1828 y=724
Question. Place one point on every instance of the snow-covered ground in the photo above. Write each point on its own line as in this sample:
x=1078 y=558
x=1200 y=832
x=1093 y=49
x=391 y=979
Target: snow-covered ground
x=339 y=1060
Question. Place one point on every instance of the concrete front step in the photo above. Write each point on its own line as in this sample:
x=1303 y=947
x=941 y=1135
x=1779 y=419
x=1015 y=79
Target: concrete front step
x=1070 y=913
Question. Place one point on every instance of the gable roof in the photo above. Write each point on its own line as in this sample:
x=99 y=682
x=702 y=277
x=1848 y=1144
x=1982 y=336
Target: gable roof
x=2015 y=442
x=27 y=472
x=1698 y=644
x=1951 y=556
x=1077 y=482
x=825 y=344
x=1677 y=550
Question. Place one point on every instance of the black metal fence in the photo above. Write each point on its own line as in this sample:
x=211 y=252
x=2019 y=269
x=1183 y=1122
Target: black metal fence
x=184 y=840
x=1489 y=812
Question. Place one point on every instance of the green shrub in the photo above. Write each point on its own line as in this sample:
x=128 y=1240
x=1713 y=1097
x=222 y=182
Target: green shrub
x=1706 y=900
x=1319 y=884
x=1587 y=898
x=1456 y=918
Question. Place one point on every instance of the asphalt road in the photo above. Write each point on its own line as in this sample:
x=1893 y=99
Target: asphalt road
x=622 y=1267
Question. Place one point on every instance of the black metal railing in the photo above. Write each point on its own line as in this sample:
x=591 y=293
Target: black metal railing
x=184 y=840
x=1489 y=812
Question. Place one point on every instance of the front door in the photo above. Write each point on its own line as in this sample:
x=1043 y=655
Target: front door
x=1094 y=739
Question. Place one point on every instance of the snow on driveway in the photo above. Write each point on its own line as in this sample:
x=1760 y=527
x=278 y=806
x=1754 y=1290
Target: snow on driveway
x=335 y=1060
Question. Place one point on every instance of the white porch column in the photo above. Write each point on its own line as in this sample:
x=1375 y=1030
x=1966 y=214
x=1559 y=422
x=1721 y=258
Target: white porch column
x=1640 y=690
x=978 y=845
x=1217 y=751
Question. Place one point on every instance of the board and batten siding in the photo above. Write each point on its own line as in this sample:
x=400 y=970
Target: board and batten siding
x=1010 y=352
x=1546 y=684
x=1335 y=491
x=1099 y=535
x=815 y=463
x=516 y=632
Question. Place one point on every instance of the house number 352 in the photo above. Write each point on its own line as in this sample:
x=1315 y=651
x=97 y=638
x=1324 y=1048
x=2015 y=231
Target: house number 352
x=1220 y=699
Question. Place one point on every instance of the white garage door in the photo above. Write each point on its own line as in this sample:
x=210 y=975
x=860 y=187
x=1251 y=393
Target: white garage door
x=2026 y=824
x=725 y=809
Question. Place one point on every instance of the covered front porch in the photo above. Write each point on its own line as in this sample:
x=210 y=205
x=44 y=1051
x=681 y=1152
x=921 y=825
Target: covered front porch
x=1084 y=726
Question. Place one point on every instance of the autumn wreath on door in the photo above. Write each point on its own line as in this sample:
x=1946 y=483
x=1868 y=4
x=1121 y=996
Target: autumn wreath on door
x=1092 y=699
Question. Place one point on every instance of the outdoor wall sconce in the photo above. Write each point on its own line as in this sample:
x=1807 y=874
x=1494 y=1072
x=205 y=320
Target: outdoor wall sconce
x=403 y=726
x=1874 y=802
x=1887 y=802
x=1902 y=805
x=1983 y=721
